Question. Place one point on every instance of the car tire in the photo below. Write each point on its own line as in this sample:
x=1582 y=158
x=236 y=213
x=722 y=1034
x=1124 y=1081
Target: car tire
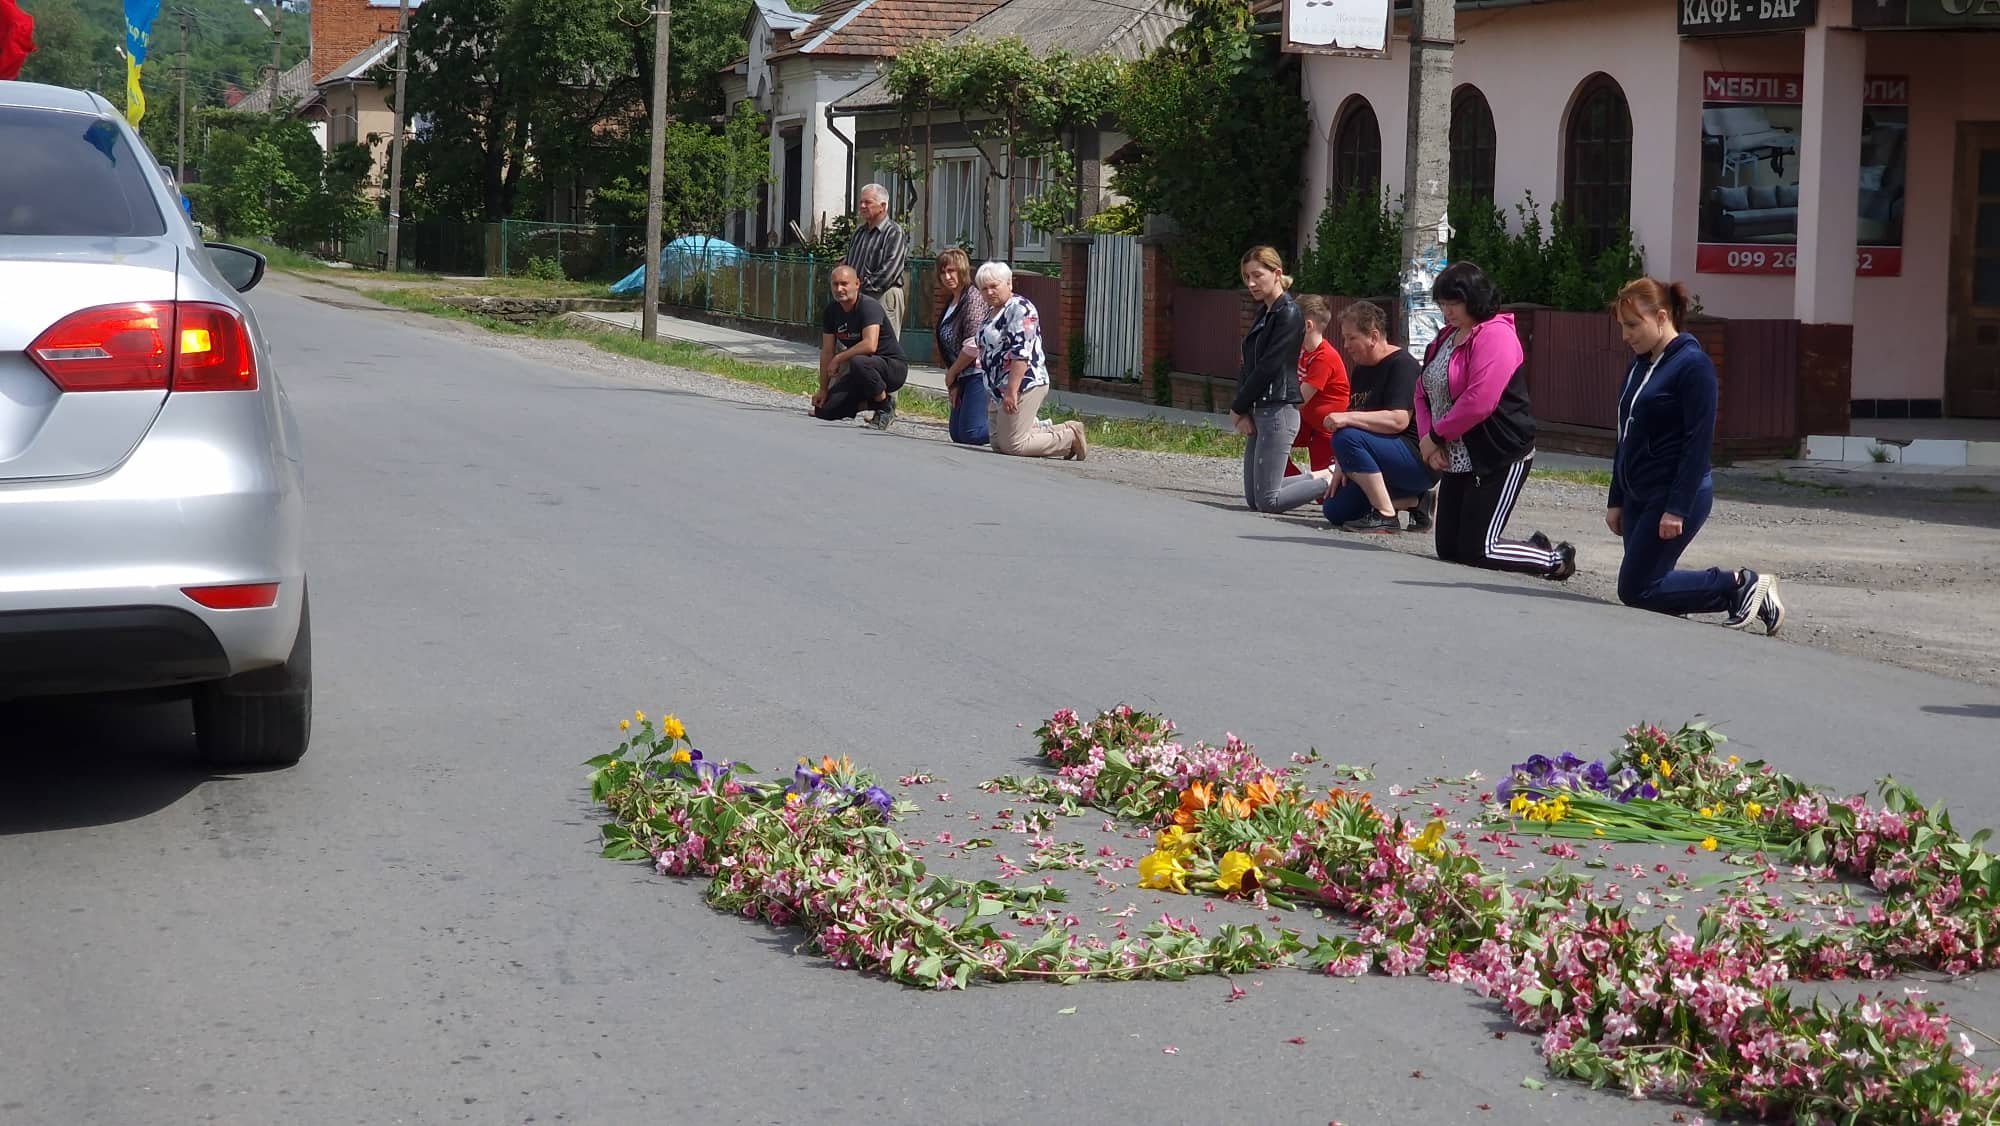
x=260 y=718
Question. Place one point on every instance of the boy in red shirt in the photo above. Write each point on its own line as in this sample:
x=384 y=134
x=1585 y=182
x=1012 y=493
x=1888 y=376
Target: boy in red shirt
x=1323 y=380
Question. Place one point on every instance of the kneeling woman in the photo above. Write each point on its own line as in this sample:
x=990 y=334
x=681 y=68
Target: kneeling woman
x=1661 y=491
x=1017 y=373
x=1477 y=430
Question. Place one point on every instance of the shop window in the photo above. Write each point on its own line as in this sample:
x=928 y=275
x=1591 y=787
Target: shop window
x=1357 y=151
x=1475 y=146
x=1597 y=176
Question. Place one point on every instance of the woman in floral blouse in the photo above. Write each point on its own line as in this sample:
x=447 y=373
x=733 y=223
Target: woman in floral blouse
x=1017 y=373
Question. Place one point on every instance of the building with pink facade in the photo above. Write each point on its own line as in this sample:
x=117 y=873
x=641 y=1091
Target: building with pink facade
x=1832 y=162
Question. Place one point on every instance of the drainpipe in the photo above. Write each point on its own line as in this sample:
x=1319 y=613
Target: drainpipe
x=850 y=154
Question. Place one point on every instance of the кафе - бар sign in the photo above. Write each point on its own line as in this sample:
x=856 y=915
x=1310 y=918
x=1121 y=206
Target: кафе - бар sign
x=1731 y=17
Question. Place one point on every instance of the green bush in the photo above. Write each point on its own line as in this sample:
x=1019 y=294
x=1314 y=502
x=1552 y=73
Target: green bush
x=541 y=268
x=1532 y=267
x=1357 y=248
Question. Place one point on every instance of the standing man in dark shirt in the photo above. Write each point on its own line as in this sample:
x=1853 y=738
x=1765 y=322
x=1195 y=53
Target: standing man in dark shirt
x=1375 y=440
x=880 y=253
x=861 y=366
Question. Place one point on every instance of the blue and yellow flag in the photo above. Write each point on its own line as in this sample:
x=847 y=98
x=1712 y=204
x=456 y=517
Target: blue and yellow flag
x=139 y=17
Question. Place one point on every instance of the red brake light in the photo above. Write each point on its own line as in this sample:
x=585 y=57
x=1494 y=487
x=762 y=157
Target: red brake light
x=245 y=596
x=153 y=346
x=212 y=350
x=113 y=348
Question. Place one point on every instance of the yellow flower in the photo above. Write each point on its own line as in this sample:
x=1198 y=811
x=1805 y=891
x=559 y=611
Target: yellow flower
x=680 y=756
x=1519 y=803
x=638 y=717
x=1162 y=871
x=1238 y=872
x=1733 y=760
x=1645 y=760
x=1753 y=811
x=672 y=728
x=1430 y=842
x=1707 y=811
x=791 y=799
x=1175 y=841
x=1597 y=832
x=624 y=725
x=1708 y=844
x=1666 y=768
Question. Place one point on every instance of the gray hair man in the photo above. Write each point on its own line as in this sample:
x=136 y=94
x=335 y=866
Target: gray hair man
x=880 y=254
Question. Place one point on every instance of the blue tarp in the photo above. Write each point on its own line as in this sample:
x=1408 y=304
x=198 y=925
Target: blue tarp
x=688 y=254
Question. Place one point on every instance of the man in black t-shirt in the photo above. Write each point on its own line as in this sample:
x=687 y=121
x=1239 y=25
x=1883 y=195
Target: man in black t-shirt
x=1375 y=439
x=861 y=366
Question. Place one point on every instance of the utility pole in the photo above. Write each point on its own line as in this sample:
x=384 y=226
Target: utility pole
x=181 y=137
x=277 y=54
x=656 y=186
x=396 y=141
x=1427 y=171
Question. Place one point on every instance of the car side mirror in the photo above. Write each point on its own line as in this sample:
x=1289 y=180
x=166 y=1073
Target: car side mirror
x=241 y=268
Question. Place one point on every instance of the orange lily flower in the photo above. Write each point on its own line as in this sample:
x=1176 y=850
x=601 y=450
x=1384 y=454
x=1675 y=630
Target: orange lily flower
x=1263 y=791
x=1234 y=808
x=1197 y=797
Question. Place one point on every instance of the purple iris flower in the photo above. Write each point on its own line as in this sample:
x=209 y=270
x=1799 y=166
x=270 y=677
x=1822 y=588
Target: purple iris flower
x=710 y=773
x=805 y=781
x=877 y=799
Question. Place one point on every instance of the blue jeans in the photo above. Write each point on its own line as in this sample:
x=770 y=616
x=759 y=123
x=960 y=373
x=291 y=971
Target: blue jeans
x=968 y=418
x=1358 y=451
x=1647 y=579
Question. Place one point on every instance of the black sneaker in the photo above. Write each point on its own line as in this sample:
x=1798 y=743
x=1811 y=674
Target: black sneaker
x=884 y=414
x=1772 y=612
x=1751 y=591
x=1421 y=517
x=1565 y=560
x=1374 y=524
x=1542 y=541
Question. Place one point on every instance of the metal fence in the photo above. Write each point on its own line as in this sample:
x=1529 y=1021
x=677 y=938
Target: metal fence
x=581 y=252
x=434 y=246
x=786 y=290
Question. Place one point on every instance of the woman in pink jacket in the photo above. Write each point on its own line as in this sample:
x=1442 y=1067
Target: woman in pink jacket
x=1476 y=429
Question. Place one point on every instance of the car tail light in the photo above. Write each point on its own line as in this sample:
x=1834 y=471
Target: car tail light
x=241 y=596
x=213 y=352
x=153 y=346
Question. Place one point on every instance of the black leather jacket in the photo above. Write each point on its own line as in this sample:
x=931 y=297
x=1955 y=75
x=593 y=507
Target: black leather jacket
x=1270 y=375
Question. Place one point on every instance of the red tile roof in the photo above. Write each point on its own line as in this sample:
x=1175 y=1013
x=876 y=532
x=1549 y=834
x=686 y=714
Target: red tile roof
x=879 y=28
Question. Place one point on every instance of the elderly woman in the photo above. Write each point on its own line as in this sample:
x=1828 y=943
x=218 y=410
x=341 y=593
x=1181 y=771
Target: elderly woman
x=1017 y=373
x=957 y=337
x=1475 y=427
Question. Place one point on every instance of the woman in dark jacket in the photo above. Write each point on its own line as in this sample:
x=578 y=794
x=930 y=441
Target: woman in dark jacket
x=1661 y=491
x=1266 y=409
x=1476 y=429
x=957 y=339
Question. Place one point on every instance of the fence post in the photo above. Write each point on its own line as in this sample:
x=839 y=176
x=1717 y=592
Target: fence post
x=1075 y=284
x=1156 y=333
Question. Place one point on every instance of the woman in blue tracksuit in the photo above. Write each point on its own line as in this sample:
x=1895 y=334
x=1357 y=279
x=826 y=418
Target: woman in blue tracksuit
x=1661 y=491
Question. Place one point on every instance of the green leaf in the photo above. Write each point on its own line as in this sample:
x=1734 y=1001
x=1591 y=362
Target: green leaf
x=1069 y=1012
x=1532 y=1083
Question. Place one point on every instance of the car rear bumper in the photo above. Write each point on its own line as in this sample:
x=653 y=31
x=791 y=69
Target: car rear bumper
x=105 y=649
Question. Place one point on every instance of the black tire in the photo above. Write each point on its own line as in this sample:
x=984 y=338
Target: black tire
x=260 y=718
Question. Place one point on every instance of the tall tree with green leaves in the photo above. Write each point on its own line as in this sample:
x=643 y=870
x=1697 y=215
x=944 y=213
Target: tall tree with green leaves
x=1219 y=132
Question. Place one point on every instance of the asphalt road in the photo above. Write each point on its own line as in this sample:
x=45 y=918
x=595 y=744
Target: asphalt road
x=509 y=553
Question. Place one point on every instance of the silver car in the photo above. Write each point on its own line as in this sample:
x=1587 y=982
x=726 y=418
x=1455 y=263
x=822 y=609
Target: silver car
x=152 y=506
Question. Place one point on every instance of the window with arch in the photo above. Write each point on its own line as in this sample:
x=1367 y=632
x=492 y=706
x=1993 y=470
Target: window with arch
x=1597 y=174
x=1357 y=151
x=1475 y=145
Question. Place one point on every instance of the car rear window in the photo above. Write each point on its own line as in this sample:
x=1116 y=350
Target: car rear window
x=72 y=174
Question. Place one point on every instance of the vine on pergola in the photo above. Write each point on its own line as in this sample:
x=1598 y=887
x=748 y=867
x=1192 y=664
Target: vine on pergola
x=1014 y=105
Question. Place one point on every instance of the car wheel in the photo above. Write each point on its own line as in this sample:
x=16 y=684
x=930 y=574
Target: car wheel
x=260 y=718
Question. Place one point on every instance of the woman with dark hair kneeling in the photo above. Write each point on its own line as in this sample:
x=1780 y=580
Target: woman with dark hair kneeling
x=1661 y=491
x=1477 y=430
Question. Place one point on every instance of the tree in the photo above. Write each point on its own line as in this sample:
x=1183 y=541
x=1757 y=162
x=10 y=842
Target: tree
x=493 y=78
x=1218 y=133
x=68 y=49
x=710 y=173
x=1016 y=106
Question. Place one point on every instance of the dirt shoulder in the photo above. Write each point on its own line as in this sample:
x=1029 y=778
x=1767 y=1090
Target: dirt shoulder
x=1910 y=576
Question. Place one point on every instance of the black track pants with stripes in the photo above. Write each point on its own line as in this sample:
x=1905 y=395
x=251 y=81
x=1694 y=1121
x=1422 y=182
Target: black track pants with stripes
x=1472 y=512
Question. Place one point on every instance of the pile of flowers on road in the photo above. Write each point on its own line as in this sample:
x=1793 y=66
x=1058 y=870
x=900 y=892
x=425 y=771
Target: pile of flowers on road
x=1704 y=1016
